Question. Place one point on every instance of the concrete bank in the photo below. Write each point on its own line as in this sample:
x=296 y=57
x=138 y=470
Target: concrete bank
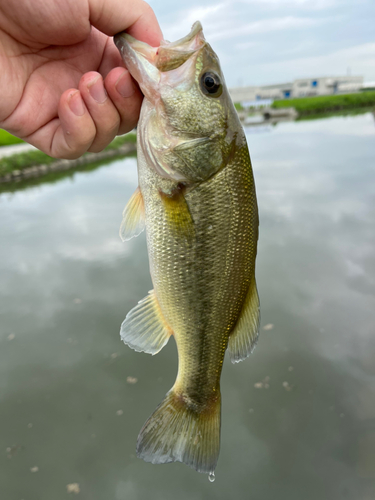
x=60 y=165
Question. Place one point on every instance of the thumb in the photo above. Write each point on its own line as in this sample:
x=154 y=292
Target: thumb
x=134 y=16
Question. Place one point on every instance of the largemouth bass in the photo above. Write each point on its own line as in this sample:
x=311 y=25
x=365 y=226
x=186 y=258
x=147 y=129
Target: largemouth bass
x=196 y=198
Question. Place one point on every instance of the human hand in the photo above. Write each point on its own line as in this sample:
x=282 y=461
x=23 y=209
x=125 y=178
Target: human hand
x=63 y=85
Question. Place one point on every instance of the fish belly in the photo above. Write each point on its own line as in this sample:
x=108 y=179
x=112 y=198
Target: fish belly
x=201 y=279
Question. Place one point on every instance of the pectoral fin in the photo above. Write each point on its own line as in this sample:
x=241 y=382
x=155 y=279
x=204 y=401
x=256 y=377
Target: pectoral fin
x=177 y=213
x=245 y=334
x=133 y=217
x=144 y=328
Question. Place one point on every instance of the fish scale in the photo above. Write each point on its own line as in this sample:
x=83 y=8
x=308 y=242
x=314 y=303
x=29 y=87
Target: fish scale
x=196 y=198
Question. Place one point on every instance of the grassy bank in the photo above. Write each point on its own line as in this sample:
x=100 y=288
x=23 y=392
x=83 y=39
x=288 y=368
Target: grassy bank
x=323 y=104
x=333 y=114
x=29 y=159
x=7 y=139
x=51 y=177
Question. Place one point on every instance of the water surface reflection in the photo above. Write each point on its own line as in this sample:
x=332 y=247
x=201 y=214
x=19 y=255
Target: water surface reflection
x=67 y=404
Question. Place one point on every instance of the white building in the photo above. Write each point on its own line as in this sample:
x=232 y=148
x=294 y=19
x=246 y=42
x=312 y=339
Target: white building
x=265 y=92
x=327 y=85
x=301 y=87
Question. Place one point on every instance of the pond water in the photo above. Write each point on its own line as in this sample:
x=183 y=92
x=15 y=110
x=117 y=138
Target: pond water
x=298 y=417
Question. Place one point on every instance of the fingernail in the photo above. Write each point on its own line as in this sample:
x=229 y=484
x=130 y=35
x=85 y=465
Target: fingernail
x=97 y=90
x=125 y=86
x=76 y=104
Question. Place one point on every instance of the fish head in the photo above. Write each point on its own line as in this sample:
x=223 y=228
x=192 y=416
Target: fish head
x=188 y=125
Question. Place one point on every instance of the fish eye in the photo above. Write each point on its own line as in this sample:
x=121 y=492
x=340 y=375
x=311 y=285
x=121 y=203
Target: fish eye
x=211 y=84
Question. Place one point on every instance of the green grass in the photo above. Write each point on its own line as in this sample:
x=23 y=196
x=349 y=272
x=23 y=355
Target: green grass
x=332 y=114
x=28 y=159
x=7 y=139
x=322 y=104
x=238 y=106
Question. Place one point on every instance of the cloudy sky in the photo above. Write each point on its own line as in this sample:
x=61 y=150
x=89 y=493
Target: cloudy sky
x=275 y=41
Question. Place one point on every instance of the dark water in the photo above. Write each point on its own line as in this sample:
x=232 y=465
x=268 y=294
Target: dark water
x=298 y=416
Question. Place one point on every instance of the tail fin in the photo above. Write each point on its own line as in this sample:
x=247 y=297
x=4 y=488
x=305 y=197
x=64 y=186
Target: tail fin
x=177 y=433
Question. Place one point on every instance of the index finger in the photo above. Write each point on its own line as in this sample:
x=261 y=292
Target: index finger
x=134 y=16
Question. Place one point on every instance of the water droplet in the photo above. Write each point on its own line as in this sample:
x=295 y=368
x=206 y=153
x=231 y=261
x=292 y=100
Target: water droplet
x=211 y=477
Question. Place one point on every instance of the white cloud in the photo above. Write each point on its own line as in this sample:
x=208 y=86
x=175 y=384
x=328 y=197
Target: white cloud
x=222 y=21
x=245 y=45
x=307 y=4
x=186 y=18
x=265 y=26
x=360 y=59
x=292 y=37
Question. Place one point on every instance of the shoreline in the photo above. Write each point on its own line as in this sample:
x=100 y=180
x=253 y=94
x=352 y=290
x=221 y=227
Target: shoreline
x=38 y=170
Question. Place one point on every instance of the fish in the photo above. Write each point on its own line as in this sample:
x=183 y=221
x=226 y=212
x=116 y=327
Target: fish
x=196 y=198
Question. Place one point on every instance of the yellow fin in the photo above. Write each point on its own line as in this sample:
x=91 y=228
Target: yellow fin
x=176 y=432
x=144 y=328
x=177 y=213
x=244 y=336
x=133 y=217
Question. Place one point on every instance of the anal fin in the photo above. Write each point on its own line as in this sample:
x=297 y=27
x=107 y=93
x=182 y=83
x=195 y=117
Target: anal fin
x=144 y=328
x=244 y=336
x=133 y=217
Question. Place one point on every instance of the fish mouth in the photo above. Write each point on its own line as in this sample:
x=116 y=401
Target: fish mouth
x=147 y=64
